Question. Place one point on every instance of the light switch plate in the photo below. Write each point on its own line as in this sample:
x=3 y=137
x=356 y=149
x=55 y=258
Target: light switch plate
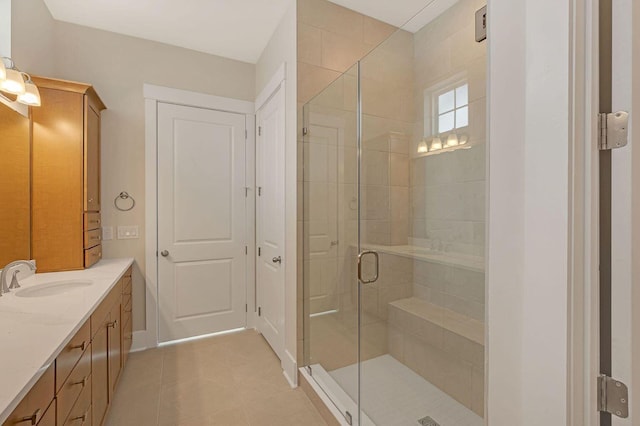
x=128 y=232
x=107 y=233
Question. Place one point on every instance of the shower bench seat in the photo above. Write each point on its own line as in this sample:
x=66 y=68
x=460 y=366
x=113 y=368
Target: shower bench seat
x=443 y=346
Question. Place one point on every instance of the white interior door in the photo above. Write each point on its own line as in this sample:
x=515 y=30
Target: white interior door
x=201 y=221
x=270 y=220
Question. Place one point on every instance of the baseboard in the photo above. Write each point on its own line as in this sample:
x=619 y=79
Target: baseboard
x=140 y=341
x=290 y=369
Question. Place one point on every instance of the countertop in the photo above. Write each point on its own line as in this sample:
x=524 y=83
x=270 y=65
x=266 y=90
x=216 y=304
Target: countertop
x=34 y=330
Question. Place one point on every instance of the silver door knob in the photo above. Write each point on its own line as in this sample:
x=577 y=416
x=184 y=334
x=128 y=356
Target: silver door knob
x=164 y=253
x=277 y=259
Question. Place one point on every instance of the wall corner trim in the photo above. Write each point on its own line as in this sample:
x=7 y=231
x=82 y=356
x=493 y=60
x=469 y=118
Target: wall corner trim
x=275 y=82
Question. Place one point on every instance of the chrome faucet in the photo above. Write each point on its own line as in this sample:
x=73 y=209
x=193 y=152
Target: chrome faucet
x=14 y=278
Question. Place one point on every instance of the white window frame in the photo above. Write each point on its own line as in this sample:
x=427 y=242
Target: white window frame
x=431 y=108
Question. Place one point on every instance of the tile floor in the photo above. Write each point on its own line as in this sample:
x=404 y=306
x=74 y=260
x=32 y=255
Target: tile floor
x=227 y=380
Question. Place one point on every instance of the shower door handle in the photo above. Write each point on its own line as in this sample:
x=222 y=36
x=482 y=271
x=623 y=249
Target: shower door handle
x=362 y=255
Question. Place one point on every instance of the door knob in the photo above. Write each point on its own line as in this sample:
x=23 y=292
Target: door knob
x=164 y=253
x=277 y=259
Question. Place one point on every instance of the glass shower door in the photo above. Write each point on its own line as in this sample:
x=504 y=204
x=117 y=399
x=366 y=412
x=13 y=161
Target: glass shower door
x=330 y=212
x=422 y=212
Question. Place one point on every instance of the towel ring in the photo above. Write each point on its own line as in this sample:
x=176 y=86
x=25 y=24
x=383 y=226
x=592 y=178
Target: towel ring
x=124 y=196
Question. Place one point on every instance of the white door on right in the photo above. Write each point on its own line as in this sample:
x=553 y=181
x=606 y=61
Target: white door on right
x=270 y=220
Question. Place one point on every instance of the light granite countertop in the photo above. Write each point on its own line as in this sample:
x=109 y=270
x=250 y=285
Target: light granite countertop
x=34 y=330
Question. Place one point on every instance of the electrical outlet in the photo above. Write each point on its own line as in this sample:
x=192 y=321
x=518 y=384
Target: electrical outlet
x=128 y=232
x=107 y=233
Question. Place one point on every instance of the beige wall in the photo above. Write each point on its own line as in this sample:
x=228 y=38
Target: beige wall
x=32 y=36
x=282 y=49
x=118 y=66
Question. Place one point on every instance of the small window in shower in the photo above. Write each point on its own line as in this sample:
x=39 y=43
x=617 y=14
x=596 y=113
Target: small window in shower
x=446 y=107
x=453 y=109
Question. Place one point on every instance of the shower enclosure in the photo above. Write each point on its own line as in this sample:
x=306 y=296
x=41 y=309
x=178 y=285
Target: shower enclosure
x=394 y=227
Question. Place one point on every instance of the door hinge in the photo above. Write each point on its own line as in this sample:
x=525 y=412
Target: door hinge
x=613 y=130
x=259 y=311
x=246 y=191
x=613 y=396
x=309 y=370
x=259 y=130
x=246 y=134
x=246 y=307
x=305 y=131
x=259 y=251
x=481 y=24
x=246 y=250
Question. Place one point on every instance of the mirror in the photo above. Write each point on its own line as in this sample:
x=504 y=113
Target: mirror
x=15 y=191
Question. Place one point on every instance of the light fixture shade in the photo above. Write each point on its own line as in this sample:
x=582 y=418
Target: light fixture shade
x=436 y=144
x=452 y=140
x=13 y=83
x=3 y=70
x=31 y=95
x=422 y=147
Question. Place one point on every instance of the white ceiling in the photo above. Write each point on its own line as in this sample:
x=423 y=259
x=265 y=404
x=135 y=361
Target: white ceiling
x=237 y=29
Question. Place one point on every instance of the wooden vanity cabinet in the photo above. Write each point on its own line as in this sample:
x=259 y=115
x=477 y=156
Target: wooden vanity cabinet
x=37 y=407
x=77 y=390
x=66 y=176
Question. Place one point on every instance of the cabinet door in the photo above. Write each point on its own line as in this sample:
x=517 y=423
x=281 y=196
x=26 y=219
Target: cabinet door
x=100 y=372
x=92 y=159
x=115 y=355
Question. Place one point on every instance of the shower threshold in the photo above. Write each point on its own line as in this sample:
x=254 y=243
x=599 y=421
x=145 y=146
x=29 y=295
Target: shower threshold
x=392 y=394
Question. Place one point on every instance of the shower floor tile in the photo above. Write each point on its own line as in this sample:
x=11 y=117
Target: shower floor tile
x=392 y=394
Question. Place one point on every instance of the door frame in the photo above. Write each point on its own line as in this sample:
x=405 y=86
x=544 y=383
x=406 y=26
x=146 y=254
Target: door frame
x=153 y=95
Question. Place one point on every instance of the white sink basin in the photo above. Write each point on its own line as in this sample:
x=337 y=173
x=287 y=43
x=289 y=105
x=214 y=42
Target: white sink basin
x=53 y=288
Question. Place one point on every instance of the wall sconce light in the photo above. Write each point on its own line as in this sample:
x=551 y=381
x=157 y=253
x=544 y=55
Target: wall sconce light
x=31 y=95
x=452 y=140
x=422 y=147
x=436 y=144
x=12 y=81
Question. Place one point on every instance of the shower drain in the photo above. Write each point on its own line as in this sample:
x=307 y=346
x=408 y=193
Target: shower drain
x=427 y=421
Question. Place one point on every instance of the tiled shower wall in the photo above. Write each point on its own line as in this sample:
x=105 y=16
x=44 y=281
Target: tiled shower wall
x=448 y=189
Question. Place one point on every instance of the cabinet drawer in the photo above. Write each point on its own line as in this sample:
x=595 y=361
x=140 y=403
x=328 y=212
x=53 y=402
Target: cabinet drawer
x=92 y=255
x=99 y=316
x=127 y=339
x=49 y=417
x=92 y=221
x=78 y=381
x=34 y=404
x=92 y=238
x=70 y=355
x=80 y=414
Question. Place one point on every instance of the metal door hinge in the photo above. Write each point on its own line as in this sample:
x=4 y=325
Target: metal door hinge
x=246 y=307
x=259 y=251
x=259 y=191
x=259 y=130
x=259 y=311
x=246 y=134
x=305 y=131
x=481 y=24
x=613 y=396
x=613 y=130
x=246 y=250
